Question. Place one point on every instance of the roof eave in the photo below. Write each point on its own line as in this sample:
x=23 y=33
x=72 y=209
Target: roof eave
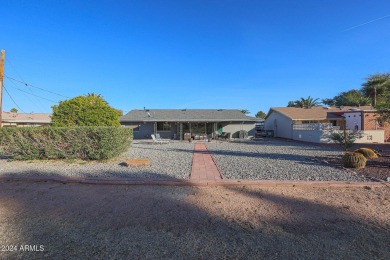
x=186 y=120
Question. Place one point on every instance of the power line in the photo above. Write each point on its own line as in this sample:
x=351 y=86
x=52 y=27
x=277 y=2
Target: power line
x=38 y=104
x=27 y=84
x=12 y=99
x=34 y=95
x=14 y=68
x=30 y=99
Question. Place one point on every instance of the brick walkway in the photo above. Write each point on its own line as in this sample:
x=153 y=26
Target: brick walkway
x=203 y=166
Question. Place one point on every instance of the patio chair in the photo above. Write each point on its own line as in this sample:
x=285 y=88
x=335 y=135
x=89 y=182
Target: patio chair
x=161 y=141
x=158 y=137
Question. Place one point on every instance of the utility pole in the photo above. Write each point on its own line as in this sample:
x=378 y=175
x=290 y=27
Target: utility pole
x=1 y=85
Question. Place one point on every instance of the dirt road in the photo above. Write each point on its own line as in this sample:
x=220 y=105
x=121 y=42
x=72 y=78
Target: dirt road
x=69 y=221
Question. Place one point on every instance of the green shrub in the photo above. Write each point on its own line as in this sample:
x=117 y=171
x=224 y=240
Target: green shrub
x=354 y=160
x=367 y=152
x=86 y=143
x=87 y=110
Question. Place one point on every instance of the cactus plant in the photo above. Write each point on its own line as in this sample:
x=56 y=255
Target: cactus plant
x=354 y=160
x=367 y=152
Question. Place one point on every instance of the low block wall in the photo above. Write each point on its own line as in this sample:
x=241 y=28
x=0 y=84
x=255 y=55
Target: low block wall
x=372 y=136
x=323 y=136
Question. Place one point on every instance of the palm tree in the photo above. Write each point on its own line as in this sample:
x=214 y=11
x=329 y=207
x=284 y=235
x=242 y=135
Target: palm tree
x=310 y=102
x=304 y=102
x=377 y=87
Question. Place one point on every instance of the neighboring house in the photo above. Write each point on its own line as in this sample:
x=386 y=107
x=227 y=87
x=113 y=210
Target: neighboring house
x=313 y=124
x=182 y=124
x=25 y=120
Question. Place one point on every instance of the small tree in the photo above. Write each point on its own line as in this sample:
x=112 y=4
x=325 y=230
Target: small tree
x=345 y=139
x=88 y=110
x=328 y=102
x=352 y=97
x=14 y=110
x=261 y=114
x=245 y=111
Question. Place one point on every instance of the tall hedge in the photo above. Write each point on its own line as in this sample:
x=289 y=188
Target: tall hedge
x=87 y=143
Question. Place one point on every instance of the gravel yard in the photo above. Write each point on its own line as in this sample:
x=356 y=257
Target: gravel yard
x=277 y=160
x=168 y=161
x=257 y=160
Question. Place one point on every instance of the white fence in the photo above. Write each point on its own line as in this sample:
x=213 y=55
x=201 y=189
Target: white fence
x=316 y=126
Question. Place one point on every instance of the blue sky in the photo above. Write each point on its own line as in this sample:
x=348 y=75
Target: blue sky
x=191 y=54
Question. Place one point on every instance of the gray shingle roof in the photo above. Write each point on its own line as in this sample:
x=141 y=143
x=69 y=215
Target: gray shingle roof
x=10 y=117
x=186 y=115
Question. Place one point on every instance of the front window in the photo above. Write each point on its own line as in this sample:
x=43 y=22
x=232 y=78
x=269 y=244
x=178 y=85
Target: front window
x=163 y=126
x=136 y=128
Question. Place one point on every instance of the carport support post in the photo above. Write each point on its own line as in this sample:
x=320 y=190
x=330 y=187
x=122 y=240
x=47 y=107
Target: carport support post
x=181 y=131
x=155 y=128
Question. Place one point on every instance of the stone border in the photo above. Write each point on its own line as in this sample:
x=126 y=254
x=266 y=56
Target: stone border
x=187 y=182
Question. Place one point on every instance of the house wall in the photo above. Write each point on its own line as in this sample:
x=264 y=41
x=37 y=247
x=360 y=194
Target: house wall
x=235 y=127
x=313 y=136
x=280 y=124
x=323 y=136
x=353 y=120
x=370 y=123
x=168 y=134
x=144 y=129
x=371 y=136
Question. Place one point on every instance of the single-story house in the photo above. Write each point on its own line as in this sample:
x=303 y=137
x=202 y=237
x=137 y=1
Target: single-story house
x=25 y=119
x=313 y=124
x=182 y=124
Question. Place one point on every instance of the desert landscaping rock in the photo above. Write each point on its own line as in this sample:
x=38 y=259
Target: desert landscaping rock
x=139 y=162
x=168 y=161
x=253 y=160
x=277 y=160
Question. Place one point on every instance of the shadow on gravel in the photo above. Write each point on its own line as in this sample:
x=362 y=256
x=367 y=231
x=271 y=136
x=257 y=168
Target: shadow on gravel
x=378 y=163
x=145 y=174
x=166 y=149
x=74 y=221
